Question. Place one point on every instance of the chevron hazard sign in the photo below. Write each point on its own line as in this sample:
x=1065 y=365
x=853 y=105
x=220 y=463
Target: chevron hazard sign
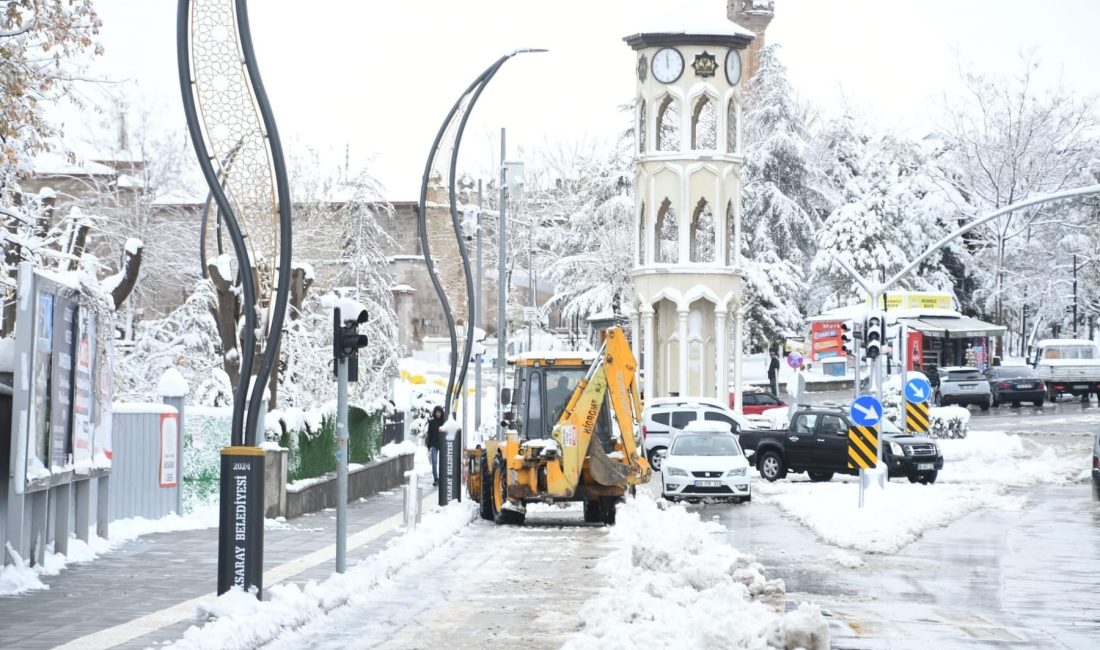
x=862 y=447
x=916 y=416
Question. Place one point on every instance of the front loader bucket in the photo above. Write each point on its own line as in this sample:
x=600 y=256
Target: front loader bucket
x=603 y=469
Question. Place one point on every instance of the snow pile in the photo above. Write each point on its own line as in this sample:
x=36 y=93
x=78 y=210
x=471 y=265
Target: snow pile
x=978 y=472
x=948 y=422
x=20 y=577
x=7 y=354
x=238 y=620
x=1001 y=460
x=172 y=384
x=887 y=522
x=677 y=584
x=392 y=449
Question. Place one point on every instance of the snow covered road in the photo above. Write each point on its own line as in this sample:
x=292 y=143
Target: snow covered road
x=490 y=586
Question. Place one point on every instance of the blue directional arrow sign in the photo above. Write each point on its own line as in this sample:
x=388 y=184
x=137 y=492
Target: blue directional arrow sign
x=918 y=390
x=866 y=411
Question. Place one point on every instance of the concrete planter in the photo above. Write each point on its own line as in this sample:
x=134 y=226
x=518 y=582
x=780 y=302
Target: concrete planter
x=372 y=478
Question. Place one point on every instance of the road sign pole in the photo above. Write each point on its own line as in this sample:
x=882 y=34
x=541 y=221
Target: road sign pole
x=904 y=358
x=341 y=464
x=862 y=485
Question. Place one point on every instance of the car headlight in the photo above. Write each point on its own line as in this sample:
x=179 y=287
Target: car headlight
x=740 y=471
x=896 y=449
x=676 y=471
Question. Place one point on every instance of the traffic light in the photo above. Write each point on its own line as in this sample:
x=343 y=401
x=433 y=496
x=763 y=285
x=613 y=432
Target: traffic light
x=346 y=341
x=874 y=331
x=847 y=338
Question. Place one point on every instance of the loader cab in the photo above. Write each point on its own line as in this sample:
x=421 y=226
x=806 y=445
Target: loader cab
x=541 y=390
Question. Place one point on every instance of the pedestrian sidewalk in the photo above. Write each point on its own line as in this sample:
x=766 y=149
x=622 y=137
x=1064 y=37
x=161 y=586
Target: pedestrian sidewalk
x=147 y=591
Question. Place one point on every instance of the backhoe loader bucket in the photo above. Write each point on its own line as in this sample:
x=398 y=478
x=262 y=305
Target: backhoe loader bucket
x=603 y=469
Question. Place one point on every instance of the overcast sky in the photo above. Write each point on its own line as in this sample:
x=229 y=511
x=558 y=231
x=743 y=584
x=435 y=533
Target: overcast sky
x=380 y=77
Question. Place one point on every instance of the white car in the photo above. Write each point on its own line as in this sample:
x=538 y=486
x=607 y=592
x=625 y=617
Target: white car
x=663 y=417
x=705 y=465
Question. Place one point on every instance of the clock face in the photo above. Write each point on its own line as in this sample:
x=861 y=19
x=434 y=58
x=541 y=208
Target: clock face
x=643 y=67
x=733 y=67
x=668 y=65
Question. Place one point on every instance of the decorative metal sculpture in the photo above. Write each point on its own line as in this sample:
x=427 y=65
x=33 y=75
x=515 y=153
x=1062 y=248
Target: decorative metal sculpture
x=240 y=154
x=234 y=134
x=455 y=124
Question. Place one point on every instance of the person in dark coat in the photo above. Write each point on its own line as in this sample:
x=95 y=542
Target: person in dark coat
x=434 y=434
x=773 y=374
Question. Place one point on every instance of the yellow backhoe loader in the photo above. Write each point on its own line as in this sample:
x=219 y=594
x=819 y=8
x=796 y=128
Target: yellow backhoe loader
x=572 y=435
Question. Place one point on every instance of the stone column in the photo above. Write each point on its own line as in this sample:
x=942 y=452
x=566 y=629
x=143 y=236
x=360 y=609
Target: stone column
x=722 y=370
x=636 y=336
x=683 y=314
x=738 y=344
x=648 y=350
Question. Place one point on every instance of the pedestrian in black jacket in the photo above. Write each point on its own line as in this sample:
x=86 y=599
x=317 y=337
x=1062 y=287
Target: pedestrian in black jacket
x=773 y=374
x=434 y=434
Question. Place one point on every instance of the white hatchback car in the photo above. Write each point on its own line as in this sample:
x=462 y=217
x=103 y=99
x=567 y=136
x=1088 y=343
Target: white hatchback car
x=705 y=463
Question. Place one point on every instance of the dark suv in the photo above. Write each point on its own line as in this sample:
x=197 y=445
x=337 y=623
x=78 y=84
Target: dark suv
x=816 y=442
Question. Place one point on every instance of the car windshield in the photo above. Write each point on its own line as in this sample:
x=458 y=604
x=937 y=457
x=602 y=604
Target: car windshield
x=705 y=445
x=1070 y=352
x=560 y=384
x=963 y=375
x=1016 y=372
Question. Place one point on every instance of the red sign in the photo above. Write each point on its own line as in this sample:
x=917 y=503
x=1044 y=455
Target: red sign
x=916 y=350
x=825 y=339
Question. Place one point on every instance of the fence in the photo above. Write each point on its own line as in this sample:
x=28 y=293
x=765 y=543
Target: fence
x=394 y=428
x=145 y=470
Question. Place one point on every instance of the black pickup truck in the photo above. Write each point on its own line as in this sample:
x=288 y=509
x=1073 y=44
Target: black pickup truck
x=816 y=442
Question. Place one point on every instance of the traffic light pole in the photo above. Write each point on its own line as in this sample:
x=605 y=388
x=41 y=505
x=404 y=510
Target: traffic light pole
x=341 y=464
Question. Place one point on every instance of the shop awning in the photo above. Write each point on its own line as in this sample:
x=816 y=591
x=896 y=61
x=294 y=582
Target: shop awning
x=954 y=327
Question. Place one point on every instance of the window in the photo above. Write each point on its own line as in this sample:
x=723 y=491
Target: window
x=641 y=236
x=768 y=398
x=705 y=445
x=963 y=375
x=668 y=235
x=749 y=400
x=534 y=408
x=833 y=425
x=660 y=418
x=680 y=419
x=804 y=423
x=668 y=125
x=702 y=233
x=704 y=125
x=722 y=417
x=641 y=128
x=731 y=126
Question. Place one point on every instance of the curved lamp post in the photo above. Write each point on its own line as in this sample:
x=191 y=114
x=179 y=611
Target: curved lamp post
x=237 y=144
x=456 y=120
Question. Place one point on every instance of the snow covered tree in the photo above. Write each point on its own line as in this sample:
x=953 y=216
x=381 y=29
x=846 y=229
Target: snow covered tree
x=783 y=201
x=42 y=44
x=1004 y=140
x=891 y=211
x=593 y=250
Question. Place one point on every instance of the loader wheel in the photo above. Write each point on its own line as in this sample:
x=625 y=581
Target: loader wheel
x=502 y=515
x=486 y=504
x=601 y=510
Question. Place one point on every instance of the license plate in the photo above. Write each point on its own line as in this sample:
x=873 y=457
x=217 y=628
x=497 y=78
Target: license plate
x=967 y=385
x=1023 y=386
x=1080 y=386
x=707 y=483
x=924 y=466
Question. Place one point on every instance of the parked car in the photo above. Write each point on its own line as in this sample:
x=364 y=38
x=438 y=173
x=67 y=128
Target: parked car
x=665 y=416
x=1068 y=366
x=1015 y=384
x=816 y=442
x=705 y=464
x=756 y=402
x=1096 y=468
x=962 y=386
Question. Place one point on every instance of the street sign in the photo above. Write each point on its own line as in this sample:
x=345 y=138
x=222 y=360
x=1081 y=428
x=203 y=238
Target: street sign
x=866 y=411
x=530 y=314
x=794 y=360
x=862 y=447
x=918 y=390
x=916 y=416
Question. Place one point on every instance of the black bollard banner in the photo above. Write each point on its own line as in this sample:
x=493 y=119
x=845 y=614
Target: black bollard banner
x=241 y=523
x=456 y=466
x=446 y=468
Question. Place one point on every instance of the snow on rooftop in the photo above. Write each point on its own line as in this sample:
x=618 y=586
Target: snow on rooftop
x=716 y=23
x=54 y=163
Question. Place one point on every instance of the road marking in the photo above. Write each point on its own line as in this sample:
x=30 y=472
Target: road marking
x=138 y=627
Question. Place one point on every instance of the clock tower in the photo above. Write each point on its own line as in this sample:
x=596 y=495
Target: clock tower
x=688 y=209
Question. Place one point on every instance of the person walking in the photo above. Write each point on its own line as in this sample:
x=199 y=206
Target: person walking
x=434 y=433
x=773 y=374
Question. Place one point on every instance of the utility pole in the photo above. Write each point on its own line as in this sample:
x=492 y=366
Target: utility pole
x=479 y=321
x=1075 y=295
x=532 y=285
x=502 y=292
